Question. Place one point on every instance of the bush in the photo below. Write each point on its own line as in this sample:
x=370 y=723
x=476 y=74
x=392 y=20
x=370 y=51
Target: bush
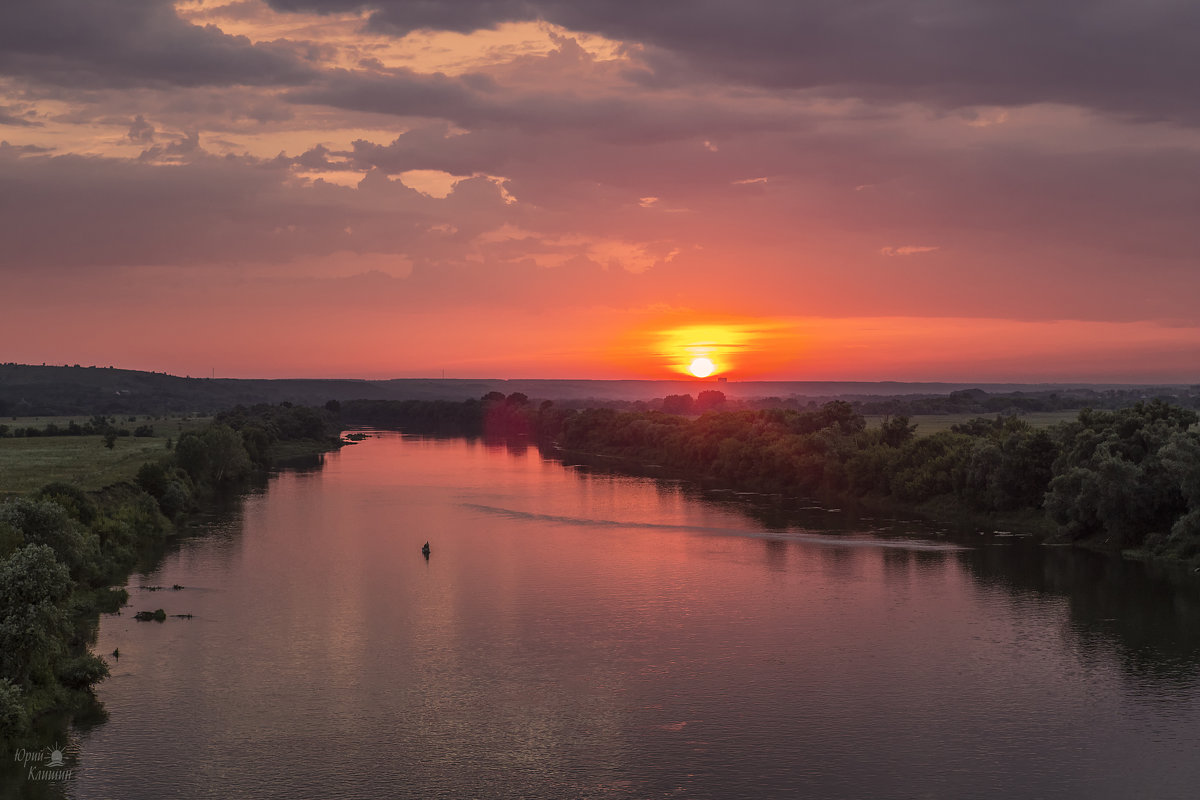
x=34 y=589
x=175 y=500
x=46 y=522
x=14 y=718
x=153 y=477
x=78 y=503
x=82 y=671
x=10 y=539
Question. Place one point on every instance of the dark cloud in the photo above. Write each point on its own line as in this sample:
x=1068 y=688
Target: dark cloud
x=76 y=213
x=140 y=130
x=9 y=150
x=1107 y=234
x=474 y=100
x=1123 y=56
x=399 y=92
x=127 y=43
x=409 y=15
x=16 y=118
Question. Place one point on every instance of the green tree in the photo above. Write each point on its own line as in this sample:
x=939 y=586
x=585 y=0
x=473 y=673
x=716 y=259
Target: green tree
x=897 y=430
x=14 y=717
x=78 y=503
x=227 y=457
x=47 y=523
x=34 y=588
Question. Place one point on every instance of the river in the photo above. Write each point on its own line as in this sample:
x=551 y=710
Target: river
x=576 y=634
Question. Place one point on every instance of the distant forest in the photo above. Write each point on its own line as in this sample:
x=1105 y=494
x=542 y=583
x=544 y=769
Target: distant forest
x=30 y=391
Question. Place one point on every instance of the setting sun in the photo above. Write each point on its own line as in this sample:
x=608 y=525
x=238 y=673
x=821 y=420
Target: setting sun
x=702 y=367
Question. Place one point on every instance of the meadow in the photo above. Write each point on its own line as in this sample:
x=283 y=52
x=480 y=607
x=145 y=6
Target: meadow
x=29 y=462
x=929 y=424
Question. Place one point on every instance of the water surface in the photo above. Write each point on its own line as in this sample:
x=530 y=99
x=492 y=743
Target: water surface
x=583 y=635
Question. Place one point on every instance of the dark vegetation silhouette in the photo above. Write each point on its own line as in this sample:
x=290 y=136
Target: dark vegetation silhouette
x=27 y=390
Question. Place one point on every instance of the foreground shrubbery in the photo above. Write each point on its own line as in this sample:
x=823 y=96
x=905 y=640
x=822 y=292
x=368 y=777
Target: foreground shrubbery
x=61 y=548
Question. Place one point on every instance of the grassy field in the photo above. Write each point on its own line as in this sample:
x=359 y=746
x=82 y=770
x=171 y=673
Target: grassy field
x=28 y=463
x=929 y=424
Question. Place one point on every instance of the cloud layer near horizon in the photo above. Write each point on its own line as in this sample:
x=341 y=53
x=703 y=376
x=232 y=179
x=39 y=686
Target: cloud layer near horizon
x=469 y=165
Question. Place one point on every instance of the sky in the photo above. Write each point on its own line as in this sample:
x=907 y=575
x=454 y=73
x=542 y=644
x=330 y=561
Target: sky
x=958 y=190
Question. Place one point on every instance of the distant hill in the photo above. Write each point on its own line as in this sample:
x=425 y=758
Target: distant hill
x=27 y=390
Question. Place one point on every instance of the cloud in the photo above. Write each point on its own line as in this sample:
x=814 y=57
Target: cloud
x=1126 y=57
x=907 y=250
x=140 y=130
x=18 y=150
x=10 y=115
x=124 y=43
x=475 y=100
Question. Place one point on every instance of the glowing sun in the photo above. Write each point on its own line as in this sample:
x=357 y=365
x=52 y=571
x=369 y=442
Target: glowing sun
x=702 y=367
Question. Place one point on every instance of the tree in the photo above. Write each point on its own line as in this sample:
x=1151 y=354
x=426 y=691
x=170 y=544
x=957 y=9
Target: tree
x=678 y=404
x=227 y=456
x=14 y=718
x=192 y=456
x=110 y=439
x=1123 y=474
x=44 y=522
x=34 y=589
x=709 y=399
x=897 y=431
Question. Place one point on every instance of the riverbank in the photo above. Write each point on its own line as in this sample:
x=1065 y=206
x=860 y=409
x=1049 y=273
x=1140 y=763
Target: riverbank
x=1122 y=480
x=936 y=512
x=65 y=550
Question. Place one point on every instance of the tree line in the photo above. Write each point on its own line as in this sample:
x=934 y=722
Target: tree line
x=1125 y=478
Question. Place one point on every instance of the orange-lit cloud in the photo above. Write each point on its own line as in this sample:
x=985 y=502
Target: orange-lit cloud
x=907 y=250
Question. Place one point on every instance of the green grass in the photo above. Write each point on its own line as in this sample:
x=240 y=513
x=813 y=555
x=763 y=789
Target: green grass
x=29 y=463
x=929 y=424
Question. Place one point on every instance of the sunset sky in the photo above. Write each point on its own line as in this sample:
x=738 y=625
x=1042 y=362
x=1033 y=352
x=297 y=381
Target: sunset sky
x=963 y=190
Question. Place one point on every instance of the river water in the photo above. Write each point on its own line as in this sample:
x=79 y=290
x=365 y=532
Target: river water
x=576 y=634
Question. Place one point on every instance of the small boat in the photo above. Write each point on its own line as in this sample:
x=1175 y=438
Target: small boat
x=425 y=550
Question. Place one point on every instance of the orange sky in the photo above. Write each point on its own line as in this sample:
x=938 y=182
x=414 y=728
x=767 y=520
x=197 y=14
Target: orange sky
x=322 y=188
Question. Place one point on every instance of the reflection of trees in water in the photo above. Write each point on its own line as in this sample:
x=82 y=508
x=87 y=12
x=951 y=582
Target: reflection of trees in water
x=1148 y=614
x=900 y=564
x=492 y=442
x=217 y=529
x=776 y=551
x=513 y=445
